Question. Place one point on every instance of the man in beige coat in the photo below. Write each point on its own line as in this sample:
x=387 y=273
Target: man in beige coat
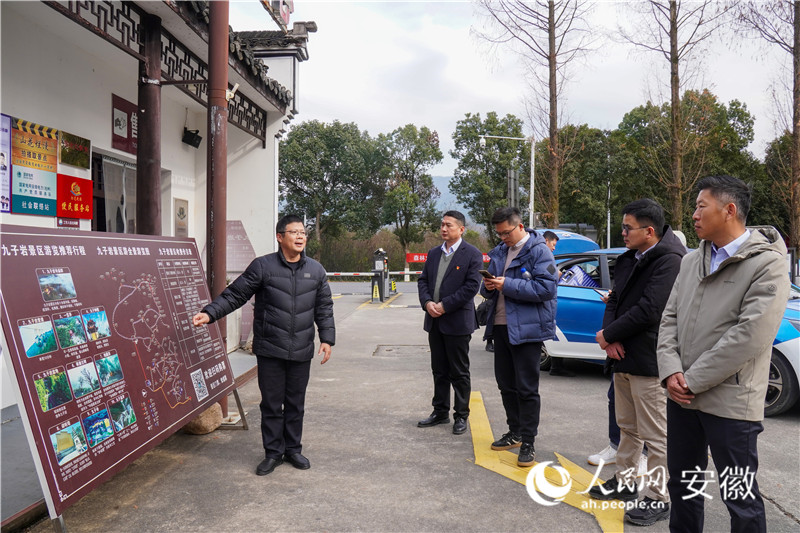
x=714 y=348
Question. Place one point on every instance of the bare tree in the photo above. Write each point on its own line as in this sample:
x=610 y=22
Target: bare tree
x=778 y=23
x=548 y=35
x=679 y=32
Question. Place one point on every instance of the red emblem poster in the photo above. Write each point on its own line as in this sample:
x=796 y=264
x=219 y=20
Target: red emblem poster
x=74 y=197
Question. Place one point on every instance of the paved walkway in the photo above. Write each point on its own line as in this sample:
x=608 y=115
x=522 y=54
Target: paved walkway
x=372 y=468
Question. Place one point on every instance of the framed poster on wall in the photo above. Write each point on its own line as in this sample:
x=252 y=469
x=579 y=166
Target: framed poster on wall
x=74 y=150
x=124 y=125
x=181 y=217
x=5 y=164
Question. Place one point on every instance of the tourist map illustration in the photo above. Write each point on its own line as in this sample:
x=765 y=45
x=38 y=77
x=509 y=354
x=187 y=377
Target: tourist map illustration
x=98 y=333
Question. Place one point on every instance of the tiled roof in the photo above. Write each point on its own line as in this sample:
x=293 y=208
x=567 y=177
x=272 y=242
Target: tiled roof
x=270 y=39
x=295 y=40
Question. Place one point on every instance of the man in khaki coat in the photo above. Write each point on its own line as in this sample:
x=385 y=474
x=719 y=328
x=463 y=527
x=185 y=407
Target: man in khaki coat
x=714 y=349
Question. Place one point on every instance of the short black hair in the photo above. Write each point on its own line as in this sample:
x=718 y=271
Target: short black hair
x=647 y=211
x=507 y=214
x=458 y=215
x=550 y=236
x=285 y=220
x=729 y=190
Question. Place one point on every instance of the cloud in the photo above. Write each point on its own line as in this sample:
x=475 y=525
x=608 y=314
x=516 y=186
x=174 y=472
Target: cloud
x=386 y=64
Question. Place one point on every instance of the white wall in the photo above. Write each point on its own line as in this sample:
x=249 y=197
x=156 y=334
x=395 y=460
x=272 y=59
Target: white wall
x=285 y=71
x=63 y=77
x=251 y=186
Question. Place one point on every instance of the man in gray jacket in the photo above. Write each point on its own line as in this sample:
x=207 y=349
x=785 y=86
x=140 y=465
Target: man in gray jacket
x=714 y=349
x=292 y=295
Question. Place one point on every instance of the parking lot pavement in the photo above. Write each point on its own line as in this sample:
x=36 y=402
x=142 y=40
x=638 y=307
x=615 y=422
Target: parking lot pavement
x=373 y=469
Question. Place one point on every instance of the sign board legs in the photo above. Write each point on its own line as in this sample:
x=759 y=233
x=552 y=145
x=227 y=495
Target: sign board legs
x=59 y=525
x=241 y=414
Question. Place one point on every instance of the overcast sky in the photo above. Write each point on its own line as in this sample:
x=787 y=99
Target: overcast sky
x=386 y=64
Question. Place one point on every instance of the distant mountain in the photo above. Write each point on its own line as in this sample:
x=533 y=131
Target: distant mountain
x=447 y=200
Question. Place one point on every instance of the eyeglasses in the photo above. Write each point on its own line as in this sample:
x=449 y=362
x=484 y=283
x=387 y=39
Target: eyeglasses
x=295 y=232
x=627 y=229
x=505 y=234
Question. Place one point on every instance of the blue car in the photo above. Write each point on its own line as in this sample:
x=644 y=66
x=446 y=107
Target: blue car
x=587 y=276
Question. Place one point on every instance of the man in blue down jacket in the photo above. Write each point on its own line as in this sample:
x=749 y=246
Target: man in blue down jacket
x=292 y=294
x=643 y=279
x=522 y=316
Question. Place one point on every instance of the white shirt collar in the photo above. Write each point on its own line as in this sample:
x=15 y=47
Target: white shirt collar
x=639 y=254
x=522 y=241
x=452 y=248
x=732 y=247
x=718 y=255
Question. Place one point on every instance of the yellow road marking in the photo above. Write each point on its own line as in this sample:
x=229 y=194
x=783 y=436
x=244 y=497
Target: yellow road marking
x=385 y=304
x=505 y=464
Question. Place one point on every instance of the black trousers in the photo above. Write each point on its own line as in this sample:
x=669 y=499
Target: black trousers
x=450 y=366
x=516 y=369
x=283 y=396
x=734 y=450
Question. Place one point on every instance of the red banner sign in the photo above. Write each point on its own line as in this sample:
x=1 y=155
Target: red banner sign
x=421 y=258
x=74 y=197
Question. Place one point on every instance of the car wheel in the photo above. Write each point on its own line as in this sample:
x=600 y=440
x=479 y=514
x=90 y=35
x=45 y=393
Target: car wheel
x=546 y=360
x=782 y=388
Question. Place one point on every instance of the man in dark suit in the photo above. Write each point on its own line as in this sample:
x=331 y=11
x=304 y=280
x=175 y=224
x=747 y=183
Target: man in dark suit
x=447 y=288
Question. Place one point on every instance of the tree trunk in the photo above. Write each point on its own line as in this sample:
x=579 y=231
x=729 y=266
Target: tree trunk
x=794 y=192
x=676 y=154
x=318 y=255
x=554 y=148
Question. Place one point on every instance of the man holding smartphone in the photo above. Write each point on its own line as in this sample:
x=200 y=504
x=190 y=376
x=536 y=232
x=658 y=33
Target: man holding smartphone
x=521 y=317
x=447 y=288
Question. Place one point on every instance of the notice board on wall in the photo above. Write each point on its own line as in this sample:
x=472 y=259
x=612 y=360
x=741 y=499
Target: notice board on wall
x=99 y=335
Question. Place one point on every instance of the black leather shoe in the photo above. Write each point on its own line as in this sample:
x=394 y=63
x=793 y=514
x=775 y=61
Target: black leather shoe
x=507 y=441
x=526 y=454
x=267 y=466
x=298 y=461
x=489 y=346
x=613 y=489
x=433 y=420
x=459 y=426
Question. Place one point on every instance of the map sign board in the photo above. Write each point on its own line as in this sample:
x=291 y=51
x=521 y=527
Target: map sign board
x=99 y=335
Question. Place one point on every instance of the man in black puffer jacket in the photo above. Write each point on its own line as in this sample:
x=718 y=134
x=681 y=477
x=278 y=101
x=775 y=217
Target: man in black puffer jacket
x=643 y=279
x=292 y=294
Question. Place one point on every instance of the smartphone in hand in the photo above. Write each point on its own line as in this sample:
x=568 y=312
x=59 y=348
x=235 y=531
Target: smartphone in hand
x=486 y=274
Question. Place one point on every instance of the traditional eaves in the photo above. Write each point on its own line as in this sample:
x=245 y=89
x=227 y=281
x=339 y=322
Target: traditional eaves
x=266 y=42
x=241 y=52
